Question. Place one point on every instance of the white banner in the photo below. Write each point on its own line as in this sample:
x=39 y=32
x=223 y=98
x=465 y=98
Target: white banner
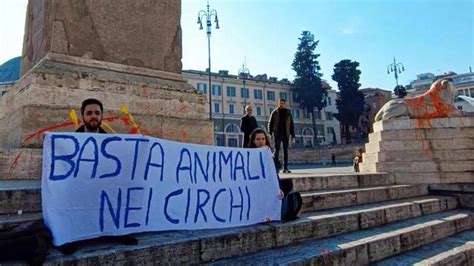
x=99 y=184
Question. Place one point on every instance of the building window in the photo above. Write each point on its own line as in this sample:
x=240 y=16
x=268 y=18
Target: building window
x=294 y=97
x=259 y=110
x=220 y=140
x=232 y=142
x=216 y=90
x=244 y=92
x=306 y=114
x=216 y=108
x=270 y=110
x=258 y=94
x=318 y=115
x=283 y=95
x=270 y=95
x=231 y=108
x=297 y=113
x=330 y=130
x=202 y=87
x=329 y=101
x=231 y=91
x=328 y=116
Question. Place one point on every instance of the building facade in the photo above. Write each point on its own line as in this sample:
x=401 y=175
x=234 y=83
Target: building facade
x=4 y=87
x=464 y=84
x=231 y=93
x=374 y=99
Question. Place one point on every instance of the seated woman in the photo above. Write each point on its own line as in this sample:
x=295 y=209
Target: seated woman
x=291 y=201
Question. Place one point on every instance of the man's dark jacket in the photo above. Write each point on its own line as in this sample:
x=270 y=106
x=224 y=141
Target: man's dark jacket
x=83 y=129
x=247 y=125
x=274 y=123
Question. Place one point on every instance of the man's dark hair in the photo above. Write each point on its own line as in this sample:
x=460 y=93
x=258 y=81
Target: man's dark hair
x=89 y=102
x=282 y=100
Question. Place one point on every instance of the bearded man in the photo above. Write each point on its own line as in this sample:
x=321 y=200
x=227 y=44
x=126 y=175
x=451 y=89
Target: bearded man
x=92 y=112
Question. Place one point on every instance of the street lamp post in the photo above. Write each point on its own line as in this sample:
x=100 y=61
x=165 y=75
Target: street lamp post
x=244 y=74
x=396 y=68
x=207 y=15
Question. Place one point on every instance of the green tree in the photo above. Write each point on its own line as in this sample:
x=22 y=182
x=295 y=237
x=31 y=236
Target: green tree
x=307 y=86
x=350 y=104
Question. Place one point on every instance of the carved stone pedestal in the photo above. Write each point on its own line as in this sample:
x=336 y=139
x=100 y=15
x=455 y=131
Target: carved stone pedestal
x=426 y=151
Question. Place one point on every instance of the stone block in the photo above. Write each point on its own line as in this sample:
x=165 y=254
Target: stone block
x=421 y=134
x=165 y=248
x=400 y=212
x=433 y=177
x=461 y=222
x=216 y=245
x=97 y=30
x=20 y=200
x=406 y=123
x=351 y=255
x=373 y=195
x=383 y=246
x=430 y=207
x=373 y=218
x=20 y=163
x=416 y=236
x=444 y=156
x=328 y=200
x=366 y=180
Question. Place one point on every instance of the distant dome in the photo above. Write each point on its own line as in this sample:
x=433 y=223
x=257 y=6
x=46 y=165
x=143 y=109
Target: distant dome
x=10 y=70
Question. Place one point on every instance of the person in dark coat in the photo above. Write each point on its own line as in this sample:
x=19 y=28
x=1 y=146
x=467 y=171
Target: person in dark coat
x=247 y=124
x=333 y=159
x=281 y=126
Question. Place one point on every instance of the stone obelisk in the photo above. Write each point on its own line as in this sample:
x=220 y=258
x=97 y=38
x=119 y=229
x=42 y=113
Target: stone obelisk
x=125 y=53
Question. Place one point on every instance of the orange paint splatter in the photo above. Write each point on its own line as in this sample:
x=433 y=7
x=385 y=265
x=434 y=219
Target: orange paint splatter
x=430 y=104
x=43 y=130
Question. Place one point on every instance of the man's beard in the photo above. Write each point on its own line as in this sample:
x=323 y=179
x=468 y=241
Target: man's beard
x=92 y=128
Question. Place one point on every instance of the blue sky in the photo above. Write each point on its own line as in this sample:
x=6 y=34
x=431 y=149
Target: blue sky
x=425 y=35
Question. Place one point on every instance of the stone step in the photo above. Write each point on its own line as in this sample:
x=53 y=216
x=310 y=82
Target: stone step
x=410 y=156
x=200 y=246
x=434 y=177
x=425 y=166
x=20 y=196
x=420 y=145
x=15 y=193
x=320 y=200
x=364 y=216
x=366 y=246
x=333 y=181
x=420 y=134
x=455 y=250
x=8 y=221
x=464 y=192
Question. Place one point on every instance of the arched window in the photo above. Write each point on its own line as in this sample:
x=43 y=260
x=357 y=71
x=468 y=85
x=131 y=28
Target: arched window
x=307 y=131
x=232 y=128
